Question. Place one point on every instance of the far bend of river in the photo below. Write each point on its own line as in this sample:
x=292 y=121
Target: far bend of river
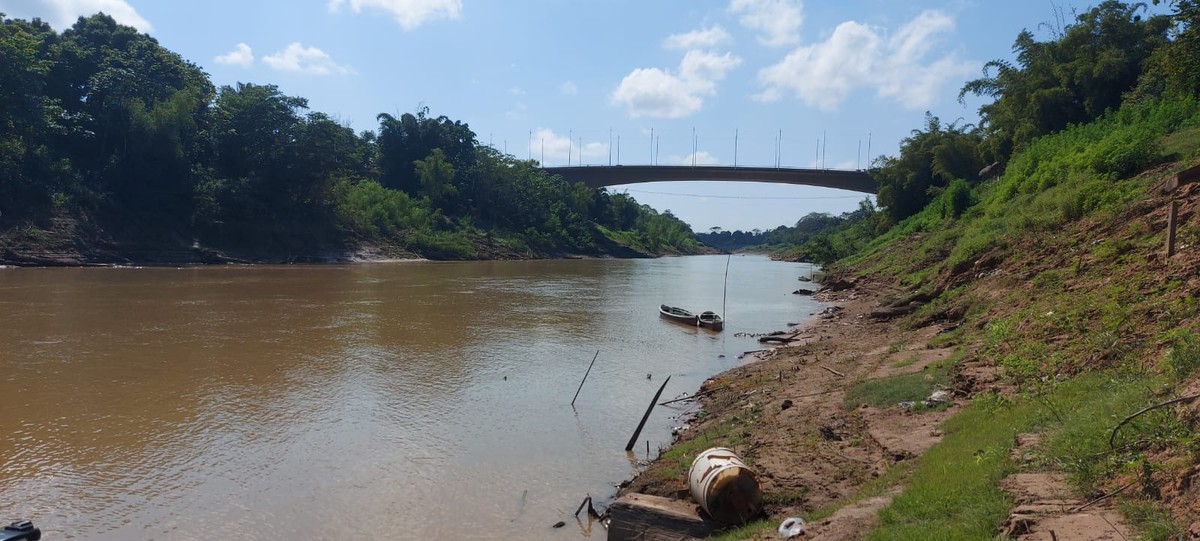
x=378 y=401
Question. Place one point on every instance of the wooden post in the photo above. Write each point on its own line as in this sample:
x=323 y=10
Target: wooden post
x=638 y=432
x=585 y=375
x=1172 y=219
x=642 y=517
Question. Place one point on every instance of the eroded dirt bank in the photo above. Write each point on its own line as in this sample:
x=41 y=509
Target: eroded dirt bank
x=785 y=414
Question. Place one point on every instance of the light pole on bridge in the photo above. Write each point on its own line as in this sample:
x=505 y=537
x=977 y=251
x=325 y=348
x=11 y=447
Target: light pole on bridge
x=651 y=145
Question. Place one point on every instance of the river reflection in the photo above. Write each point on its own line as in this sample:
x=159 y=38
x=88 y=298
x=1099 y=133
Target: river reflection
x=393 y=401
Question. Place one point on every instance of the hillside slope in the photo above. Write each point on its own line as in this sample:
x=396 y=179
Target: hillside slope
x=1052 y=313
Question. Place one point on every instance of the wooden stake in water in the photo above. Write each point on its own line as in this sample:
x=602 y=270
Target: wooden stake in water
x=638 y=432
x=585 y=375
x=725 y=289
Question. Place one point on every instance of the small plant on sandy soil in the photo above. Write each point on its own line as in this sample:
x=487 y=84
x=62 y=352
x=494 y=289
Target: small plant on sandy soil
x=679 y=456
x=1184 y=355
x=889 y=391
x=791 y=497
x=1050 y=279
x=907 y=361
x=1152 y=523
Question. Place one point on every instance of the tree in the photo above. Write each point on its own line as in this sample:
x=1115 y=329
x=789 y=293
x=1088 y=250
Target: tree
x=1071 y=79
x=410 y=138
x=437 y=177
x=1175 y=67
x=929 y=160
x=27 y=114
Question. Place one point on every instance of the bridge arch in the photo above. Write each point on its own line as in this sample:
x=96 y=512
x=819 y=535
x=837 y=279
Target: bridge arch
x=599 y=176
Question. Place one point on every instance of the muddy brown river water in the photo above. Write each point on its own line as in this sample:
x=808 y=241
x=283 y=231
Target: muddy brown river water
x=410 y=400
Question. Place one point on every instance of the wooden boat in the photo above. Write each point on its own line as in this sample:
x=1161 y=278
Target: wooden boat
x=710 y=320
x=678 y=315
x=707 y=319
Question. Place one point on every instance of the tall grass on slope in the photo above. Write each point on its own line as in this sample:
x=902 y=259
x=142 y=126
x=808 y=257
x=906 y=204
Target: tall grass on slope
x=1057 y=179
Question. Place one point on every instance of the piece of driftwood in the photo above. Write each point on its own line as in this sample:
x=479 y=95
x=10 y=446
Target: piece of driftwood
x=834 y=372
x=689 y=397
x=838 y=285
x=1187 y=176
x=777 y=339
x=1104 y=497
x=888 y=313
x=1113 y=435
x=644 y=517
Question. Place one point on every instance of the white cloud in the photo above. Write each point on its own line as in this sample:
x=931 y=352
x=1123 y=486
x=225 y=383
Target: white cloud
x=556 y=149
x=308 y=60
x=516 y=91
x=701 y=157
x=658 y=93
x=698 y=39
x=568 y=88
x=777 y=21
x=410 y=14
x=861 y=56
x=241 y=55
x=61 y=14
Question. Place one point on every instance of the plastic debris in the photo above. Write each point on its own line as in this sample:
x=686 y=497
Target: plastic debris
x=791 y=527
x=938 y=397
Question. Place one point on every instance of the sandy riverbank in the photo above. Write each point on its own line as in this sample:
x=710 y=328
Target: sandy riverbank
x=784 y=413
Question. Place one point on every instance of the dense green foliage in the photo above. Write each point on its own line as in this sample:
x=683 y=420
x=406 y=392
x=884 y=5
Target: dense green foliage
x=1071 y=79
x=1079 y=75
x=102 y=124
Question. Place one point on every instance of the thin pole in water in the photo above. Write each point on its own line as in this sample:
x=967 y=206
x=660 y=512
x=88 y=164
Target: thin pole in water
x=585 y=375
x=638 y=432
x=725 y=290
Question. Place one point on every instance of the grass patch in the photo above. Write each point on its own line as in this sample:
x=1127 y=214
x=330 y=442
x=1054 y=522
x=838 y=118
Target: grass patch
x=952 y=491
x=1152 y=523
x=889 y=391
x=679 y=456
x=751 y=530
x=907 y=361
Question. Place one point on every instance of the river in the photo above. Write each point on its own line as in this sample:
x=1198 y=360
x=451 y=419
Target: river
x=412 y=400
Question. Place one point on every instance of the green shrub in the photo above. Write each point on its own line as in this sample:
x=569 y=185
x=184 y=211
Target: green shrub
x=443 y=245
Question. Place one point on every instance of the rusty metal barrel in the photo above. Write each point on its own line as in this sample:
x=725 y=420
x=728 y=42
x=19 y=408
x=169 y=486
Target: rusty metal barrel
x=725 y=487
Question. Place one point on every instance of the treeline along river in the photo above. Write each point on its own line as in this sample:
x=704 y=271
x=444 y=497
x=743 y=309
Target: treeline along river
x=390 y=401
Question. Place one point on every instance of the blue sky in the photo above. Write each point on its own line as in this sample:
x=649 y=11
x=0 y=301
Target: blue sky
x=591 y=80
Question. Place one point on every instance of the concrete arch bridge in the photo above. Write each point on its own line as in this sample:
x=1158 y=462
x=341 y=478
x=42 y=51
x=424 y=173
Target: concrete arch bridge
x=599 y=176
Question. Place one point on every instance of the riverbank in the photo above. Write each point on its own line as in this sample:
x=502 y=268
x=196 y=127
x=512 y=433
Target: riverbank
x=68 y=241
x=786 y=413
x=1053 y=346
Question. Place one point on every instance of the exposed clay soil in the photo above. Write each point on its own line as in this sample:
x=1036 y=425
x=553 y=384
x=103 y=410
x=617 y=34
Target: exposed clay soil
x=817 y=452
x=1048 y=508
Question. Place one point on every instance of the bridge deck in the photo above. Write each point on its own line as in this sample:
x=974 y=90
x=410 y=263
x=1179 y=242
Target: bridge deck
x=598 y=176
